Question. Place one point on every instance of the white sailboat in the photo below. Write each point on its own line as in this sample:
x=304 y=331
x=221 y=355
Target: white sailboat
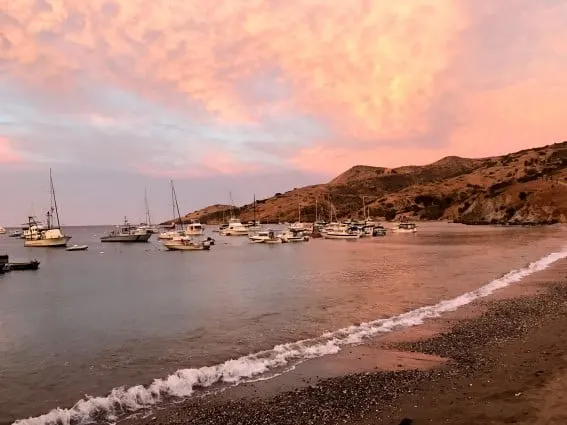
x=147 y=226
x=183 y=242
x=174 y=232
x=52 y=236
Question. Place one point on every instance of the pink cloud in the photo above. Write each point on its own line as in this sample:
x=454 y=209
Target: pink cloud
x=395 y=83
x=8 y=154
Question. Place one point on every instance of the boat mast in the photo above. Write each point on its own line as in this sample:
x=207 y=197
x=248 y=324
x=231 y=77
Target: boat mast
x=176 y=205
x=231 y=205
x=316 y=212
x=254 y=209
x=148 y=218
x=54 y=199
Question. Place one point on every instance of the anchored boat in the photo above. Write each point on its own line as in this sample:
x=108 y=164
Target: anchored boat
x=51 y=236
x=127 y=233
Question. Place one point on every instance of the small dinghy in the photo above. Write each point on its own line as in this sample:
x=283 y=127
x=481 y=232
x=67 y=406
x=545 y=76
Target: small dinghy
x=77 y=248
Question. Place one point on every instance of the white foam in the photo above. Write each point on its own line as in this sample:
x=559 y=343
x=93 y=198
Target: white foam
x=184 y=382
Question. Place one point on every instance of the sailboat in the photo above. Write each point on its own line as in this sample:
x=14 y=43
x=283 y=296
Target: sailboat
x=51 y=236
x=173 y=233
x=235 y=226
x=254 y=225
x=183 y=242
x=147 y=225
x=298 y=226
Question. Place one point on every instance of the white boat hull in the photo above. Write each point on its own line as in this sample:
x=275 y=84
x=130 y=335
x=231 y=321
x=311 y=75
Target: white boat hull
x=396 y=230
x=340 y=236
x=177 y=245
x=235 y=232
x=47 y=243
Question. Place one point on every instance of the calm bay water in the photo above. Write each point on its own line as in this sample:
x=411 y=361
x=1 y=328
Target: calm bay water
x=114 y=315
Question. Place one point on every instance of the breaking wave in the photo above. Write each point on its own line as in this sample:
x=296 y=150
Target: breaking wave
x=185 y=381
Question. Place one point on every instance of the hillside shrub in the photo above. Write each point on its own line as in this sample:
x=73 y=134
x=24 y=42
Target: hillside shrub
x=390 y=214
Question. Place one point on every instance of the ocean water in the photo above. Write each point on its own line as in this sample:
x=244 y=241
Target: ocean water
x=130 y=324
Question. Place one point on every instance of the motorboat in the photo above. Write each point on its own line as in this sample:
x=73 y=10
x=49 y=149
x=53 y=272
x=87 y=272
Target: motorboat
x=16 y=234
x=3 y=231
x=51 y=236
x=292 y=235
x=194 y=229
x=340 y=231
x=405 y=227
x=7 y=266
x=127 y=233
x=186 y=243
x=265 y=236
x=235 y=228
x=78 y=248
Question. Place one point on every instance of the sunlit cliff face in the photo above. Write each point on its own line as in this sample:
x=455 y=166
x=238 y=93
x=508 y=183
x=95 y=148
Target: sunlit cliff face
x=195 y=89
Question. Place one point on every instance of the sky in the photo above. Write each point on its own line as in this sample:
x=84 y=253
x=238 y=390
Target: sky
x=260 y=96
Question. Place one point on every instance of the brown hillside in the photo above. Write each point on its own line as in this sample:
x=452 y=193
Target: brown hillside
x=529 y=186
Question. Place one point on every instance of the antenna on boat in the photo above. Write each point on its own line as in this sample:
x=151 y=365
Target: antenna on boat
x=54 y=200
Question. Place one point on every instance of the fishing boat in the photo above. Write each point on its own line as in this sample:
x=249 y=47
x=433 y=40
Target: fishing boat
x=185 y=242
x=292 y=235
x=127 y=233
x=51 y=236
x=78 y=248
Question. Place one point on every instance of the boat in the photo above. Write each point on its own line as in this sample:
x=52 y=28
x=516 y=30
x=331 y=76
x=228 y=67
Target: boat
x=16 y=234
x=147 y=226
x=186 y=243
x=51 y=236
x=194 y=229
x=78 y=248
x=24 y=265
x=4 y=263
x=292 y=235
x=3 y=231
x=340 y=231
x=235 y=228
x=405 y=227
x=127 y=233
x=379 y=230
x=172 y=231
x=254 y=225
x=265 y=236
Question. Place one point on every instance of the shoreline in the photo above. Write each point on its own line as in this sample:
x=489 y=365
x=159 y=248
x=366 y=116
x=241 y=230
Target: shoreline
x=476 y=365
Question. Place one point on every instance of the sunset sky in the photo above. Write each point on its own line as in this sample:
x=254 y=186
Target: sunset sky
x=260 y=96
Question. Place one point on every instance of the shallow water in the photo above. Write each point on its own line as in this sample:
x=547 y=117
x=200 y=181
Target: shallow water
x=114 y=315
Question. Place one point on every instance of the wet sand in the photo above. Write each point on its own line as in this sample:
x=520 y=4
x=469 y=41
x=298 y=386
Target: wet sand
x=497 y=361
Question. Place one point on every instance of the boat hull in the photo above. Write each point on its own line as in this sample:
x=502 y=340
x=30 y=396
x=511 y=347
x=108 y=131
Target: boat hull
x=47 y=243
x=77 y=248
x=340 y=236
x=187 y=247
x=127 y=238
x=29 y=265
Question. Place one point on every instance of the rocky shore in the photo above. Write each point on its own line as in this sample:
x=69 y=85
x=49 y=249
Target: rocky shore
x=503 y=367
